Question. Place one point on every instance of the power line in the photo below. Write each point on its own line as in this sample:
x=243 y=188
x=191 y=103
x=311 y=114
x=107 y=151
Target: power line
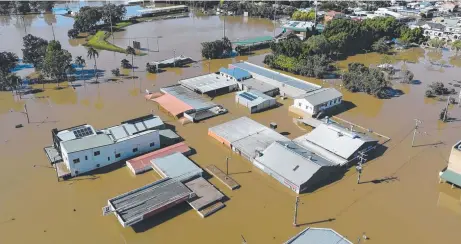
x=417 y=123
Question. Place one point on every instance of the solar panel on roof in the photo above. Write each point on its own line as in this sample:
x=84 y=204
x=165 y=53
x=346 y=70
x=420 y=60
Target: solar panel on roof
x=248 y=96
x=82 y=132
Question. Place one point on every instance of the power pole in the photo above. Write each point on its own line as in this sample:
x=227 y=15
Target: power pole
x=243 y=240
x=26 y=113
x=174 y=57
x=111 y=30
x=275 y=15
x=446 y=110
x=362 y=156
x=224 y=30
x=417 y=122
x=227 y=165
x=295 y=218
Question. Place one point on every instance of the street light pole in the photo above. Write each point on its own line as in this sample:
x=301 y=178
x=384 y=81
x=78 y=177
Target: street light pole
x=417 y=122
x=174 y=57
x=295 y=218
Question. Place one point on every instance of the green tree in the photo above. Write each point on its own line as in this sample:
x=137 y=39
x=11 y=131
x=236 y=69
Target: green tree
x=363 y=79
x=436 y=43
x=125 y=64
x=131 y=51
x=8 y=80
x=116 y=72
x=80 y=62
x=6 y=7
x=93 y=54
x=217 y=49
x=380 y=46
x=22 y=7
x=412 y=35
x=303 y=16
x=72 y=33
x=456 y=45
x=112 y=12
x=151 y=68
x=34 y=50
x=87 y=18
x=407 y=76
x=386 y=59
x=56 y=61
x=318 y=44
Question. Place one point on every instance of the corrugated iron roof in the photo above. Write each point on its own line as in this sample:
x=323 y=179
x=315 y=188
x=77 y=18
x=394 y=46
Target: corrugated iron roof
x=291 y=161
x=253 y=98
x=172 y=104
x=176 y=165
x=188 y=97
x=207 y=83
x=237 y=73
x=322 y=95
x=336 y=139
x=285 y=79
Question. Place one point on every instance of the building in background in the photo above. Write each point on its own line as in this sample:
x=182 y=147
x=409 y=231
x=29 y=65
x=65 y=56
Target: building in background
x=317 y=101
x=331 y=15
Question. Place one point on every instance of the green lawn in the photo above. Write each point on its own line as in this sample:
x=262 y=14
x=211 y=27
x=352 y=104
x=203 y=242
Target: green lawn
x=99 y=41
x=123 y=24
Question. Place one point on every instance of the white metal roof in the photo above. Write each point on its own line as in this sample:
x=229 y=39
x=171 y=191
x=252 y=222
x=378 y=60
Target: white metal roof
x=318 y=236
x=175 y=165
x=322 y=95
x=207 y=83
x=237 y=129
x=253 y=97
x=335 y=139
x=85 y=143
x=188 y=97
x=291 y=161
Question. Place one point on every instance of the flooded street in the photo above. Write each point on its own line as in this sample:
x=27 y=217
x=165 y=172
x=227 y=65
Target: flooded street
x=413 y=208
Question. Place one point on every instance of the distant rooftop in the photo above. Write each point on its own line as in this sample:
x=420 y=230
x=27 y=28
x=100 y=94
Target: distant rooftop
x=207 y=83
x=237 y=73
x=322 y=95
x=302 y=26
x=282 y=78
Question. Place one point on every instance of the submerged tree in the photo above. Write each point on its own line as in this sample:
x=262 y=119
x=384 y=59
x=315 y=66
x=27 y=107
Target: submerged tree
x=80 y=62
x=56 y=62
x=8 y=80
x=34 y=50
x=131 y=51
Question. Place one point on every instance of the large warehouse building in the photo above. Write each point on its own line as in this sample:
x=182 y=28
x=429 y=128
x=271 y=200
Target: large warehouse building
x=294 y=166
x=245 y=136
x=288 y=85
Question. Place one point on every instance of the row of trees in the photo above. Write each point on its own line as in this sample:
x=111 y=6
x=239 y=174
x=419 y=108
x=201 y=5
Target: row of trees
x=217 y=49
x=25 y=7
x=303 y=16
x=264 y=10
x=88 y=18
x=305 y=58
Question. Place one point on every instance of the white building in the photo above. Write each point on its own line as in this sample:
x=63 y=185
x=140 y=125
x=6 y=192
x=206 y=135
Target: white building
x=316 y=101
x=84 y=149
x=255 y=101
x=448 y=31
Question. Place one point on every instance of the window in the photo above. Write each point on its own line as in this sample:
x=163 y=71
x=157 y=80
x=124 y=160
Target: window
x=299 y=105
x=108 y=158
x=76 y=161
x=86 y=157
x=76 y=172
x=97 y=153
x=117 y=155
x=97 y=165
x=152 y=144
x=307 y=107
x=135 y=149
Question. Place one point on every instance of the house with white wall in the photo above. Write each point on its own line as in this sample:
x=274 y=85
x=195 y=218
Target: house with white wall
x=316 y=101
x=84 y=149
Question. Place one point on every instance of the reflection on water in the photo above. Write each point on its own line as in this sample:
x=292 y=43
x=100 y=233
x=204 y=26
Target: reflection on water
x=9 y=102
x=455 y=60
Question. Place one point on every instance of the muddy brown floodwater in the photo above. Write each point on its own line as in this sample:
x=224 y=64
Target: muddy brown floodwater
x=35 y=208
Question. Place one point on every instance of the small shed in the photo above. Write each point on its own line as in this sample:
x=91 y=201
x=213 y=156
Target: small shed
x=176 y=165
x=255 y=101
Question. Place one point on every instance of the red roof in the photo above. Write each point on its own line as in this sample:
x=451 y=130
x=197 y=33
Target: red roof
x=142 y=163
x=172 y=104
x=332 y=13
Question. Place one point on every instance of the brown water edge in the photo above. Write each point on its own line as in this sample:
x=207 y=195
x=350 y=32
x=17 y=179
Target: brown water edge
x=407 y=210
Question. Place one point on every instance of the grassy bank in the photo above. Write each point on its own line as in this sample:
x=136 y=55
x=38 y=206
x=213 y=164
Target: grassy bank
x=99 y=41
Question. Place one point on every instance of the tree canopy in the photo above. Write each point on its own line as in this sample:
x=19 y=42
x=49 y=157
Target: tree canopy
x=303 y=16
x=8 y=80
x=380 y=46
x=217 y=49
x=360 y=78
x=112 y=12
x=412 y=35
x=56 y=62
x=34 y=50
x=87 y=18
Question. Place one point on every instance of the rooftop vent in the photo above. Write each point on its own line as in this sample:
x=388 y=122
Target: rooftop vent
x=295 y=168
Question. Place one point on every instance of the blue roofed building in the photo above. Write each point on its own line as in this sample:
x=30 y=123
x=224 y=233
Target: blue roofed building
x=235 y=73
x=318 y=236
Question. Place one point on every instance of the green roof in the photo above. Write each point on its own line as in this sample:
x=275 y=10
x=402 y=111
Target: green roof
x=452 y=177
x=253 y=40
